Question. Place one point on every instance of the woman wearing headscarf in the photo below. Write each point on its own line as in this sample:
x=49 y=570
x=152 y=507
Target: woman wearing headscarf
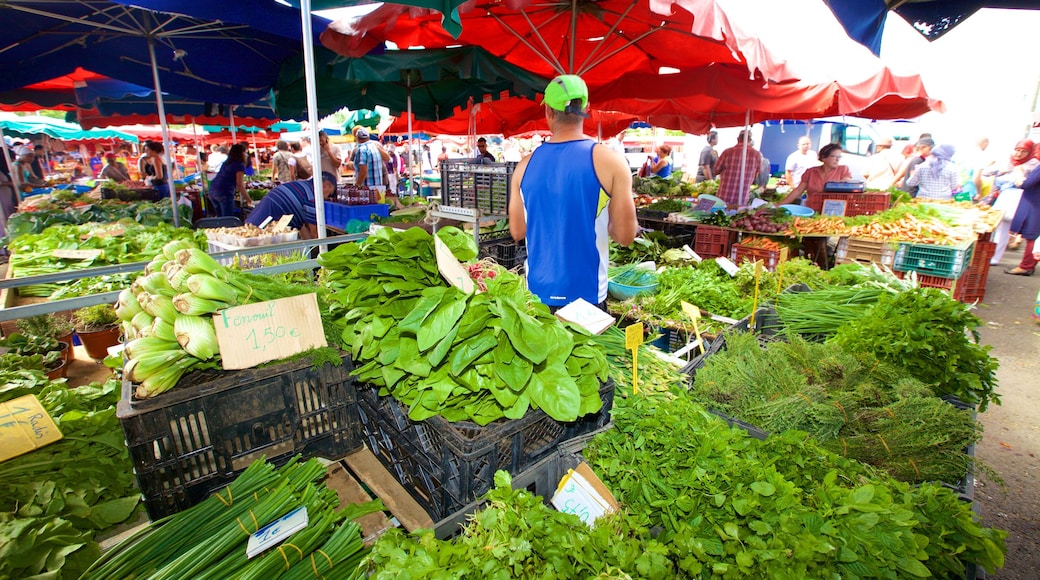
x=1008 y=193
x=1027 y=221
x=937 y=177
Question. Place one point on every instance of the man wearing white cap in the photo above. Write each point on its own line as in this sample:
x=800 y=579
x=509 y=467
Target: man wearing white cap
x=566 y=198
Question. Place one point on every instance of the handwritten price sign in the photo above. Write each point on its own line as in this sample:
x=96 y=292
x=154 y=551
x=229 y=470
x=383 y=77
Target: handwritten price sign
x=258 y=333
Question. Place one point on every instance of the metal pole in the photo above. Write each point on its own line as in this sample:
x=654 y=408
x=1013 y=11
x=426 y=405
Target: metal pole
x=412 y=189
x=14 y=184
x=743 y=156
x=165 y=132
x=312 y=116
x=231 y=118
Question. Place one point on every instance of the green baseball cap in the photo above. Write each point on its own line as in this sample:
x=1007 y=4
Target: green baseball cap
x=562 y=91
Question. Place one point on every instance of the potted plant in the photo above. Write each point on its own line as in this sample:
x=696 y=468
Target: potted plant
x=56 y=326
x=98 y=329
x=36 y=352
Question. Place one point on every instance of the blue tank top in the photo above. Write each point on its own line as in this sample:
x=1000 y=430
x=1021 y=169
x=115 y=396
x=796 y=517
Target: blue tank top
x=565 y=208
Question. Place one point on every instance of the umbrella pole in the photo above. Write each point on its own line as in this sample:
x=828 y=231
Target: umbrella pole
x=165 y=132
x=412 y=189
x=231 y=119
x=312 y=116
x=743 y=154
x=14 y=185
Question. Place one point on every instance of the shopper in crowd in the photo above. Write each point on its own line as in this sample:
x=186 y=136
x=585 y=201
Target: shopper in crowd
x=737 y=171
x=1027 y=222
x=23 y=169
x=567 y=198
x=937 y=177
x=882 y=166
x=799 y=161
x=304 y=169
x=483 y=155
x=921 y=152
x=708 y=157
x=330 y=154
x=294 y=198
x=217 y=156
x=8 y=195
x=283 y=164
x=39 y=163
x=152 y=166
x=230 y=178
x=1006 y=194
x=114 y=170
x=660 y=164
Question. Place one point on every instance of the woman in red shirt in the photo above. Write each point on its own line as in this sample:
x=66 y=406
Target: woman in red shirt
x=815 y=178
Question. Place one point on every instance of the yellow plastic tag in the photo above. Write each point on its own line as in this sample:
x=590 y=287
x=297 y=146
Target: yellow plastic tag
x=634 y=338
x=695 y=314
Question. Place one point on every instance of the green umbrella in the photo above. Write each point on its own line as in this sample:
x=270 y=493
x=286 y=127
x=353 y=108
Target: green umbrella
x=363 y=117
x=432 y=83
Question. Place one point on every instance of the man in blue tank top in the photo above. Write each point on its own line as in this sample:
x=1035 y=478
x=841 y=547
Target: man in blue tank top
x=566 y=198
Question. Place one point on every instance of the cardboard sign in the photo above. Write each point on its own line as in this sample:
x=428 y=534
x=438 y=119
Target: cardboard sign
x=586 y=315
x=276 y=532
x=257 y=333
x=581 y=493
x=704 y=205
x=106 y=232
x=834 y=207
x=282 y=223
x=24 y=427
x=727 y=265
x=76 y=254
x=451 y=268
x=689 y=252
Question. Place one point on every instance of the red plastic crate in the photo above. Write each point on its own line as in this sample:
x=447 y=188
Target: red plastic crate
x=769 y=258
x=983 y=253
x=713 y=242
x=971 y=286
x=855 y=203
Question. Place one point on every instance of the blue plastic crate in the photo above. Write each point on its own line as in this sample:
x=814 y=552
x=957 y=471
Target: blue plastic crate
x=338 y=215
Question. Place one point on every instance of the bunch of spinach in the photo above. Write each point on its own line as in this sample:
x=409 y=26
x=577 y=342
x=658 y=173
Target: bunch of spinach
x=443 y=352
x=852 y=404
x=52 y=500
x=933 y=337
x=518 y=536
x=734 y=507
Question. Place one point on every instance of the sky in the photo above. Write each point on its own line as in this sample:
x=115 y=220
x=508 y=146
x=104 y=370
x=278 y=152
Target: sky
x=983 y=70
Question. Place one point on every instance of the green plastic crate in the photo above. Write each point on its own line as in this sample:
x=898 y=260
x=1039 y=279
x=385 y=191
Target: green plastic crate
x=934 y=260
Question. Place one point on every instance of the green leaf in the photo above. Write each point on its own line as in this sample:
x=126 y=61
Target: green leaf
x=514 y=370
x=440 y=322
x=763 y=488
x=555 y=392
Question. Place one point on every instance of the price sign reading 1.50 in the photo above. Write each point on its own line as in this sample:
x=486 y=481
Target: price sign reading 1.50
x=257 y=333
x=260 y=340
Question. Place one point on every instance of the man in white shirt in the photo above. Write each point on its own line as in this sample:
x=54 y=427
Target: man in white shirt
x=882 y=166
x=799 y=161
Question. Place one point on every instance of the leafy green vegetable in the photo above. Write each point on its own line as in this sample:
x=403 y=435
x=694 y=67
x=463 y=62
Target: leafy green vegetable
x=933 y=337
x=852 y=404
x=440 y=351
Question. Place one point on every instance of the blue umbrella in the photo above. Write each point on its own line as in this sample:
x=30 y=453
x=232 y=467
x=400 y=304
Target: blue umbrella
x=226 y=52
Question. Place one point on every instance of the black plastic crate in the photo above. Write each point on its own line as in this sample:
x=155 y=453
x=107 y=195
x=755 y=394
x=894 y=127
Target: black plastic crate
x=508 y=254
x=541 y=479
x=196 y=438
x=594 y=421
x=652 y=214
x=483 y=186
x=445 y=466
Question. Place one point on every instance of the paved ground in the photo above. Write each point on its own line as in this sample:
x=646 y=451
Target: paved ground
x=1011 y=444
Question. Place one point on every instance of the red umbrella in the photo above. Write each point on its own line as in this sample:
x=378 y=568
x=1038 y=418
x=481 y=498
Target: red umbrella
x=597 y=39
x=508 y=117
x=719 y=96
x=56 y=94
